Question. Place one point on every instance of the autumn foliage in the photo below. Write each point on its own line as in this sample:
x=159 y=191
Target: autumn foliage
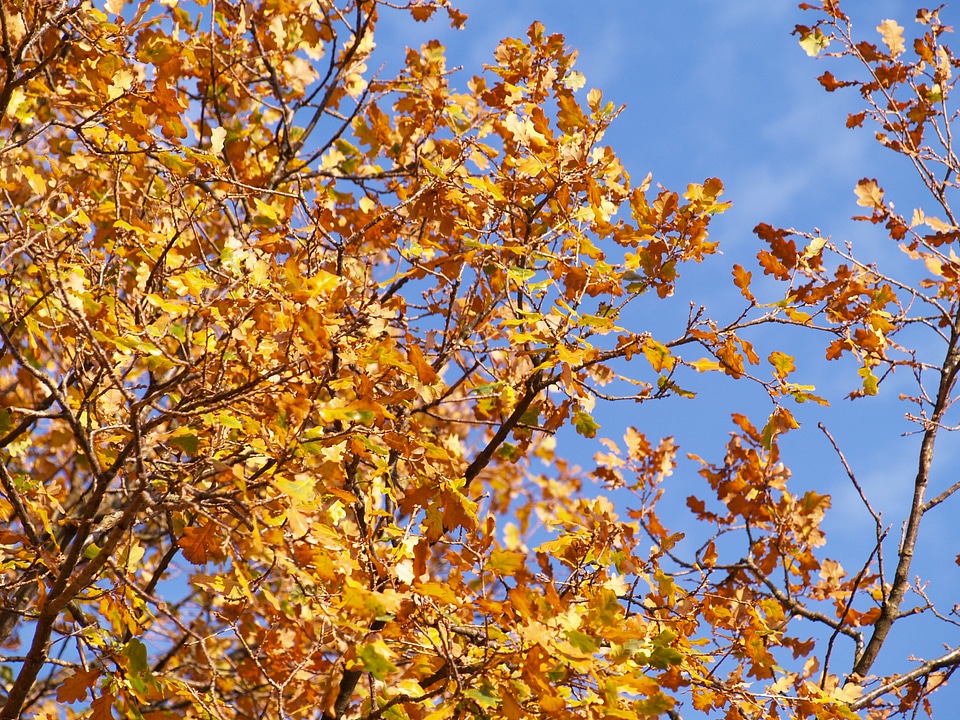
x=287 y=344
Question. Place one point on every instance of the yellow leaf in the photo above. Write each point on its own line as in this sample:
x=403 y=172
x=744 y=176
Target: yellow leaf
x=122 y=81
x=300 y=489
x=782 y=363
x=797 y=315
x=593 y=98
x=506 y=562
x=892 y=35
x=552 y=703
x=571 y=356
x=704 y=365
x=813 y=249
x=270 y=213
x=574 y=80
x=869 y=194
x=37 y=183
x=441 y=713
x=938 y=225
x=933 y=265
x=18 y=107
x=659 y=356
x=132 y=557
x=438 y=591
x=814 y=42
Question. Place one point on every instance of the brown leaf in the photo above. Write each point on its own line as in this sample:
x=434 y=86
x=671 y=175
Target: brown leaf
x=74 y=688
x=199 y=543
x=102 y=707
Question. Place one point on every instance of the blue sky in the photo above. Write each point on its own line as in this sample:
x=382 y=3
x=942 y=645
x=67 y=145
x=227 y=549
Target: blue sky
x=724 y=90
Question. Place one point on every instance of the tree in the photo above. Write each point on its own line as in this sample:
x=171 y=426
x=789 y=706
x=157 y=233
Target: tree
x=285 y=341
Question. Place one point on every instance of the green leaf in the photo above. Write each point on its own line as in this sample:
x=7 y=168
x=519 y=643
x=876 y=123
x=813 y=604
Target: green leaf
x=654 y=706
x=583 y=643
x=585 y=424
x=91 y=551
x=520 y=274
x=173 y=161
x=185 y=440
x=509 y=451
x=228 y=420
x=301 y=490
x=663 y=656
x=484 y=696
x=621 y=652
x=603 y=324
x=375 y=661
x=136 y=652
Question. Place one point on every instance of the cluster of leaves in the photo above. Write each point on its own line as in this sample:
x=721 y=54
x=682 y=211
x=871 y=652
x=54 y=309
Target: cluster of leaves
x=281 y=343
x=866 y=309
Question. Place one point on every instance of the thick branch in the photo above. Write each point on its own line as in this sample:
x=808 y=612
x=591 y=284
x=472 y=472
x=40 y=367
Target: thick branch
x=348 y=683
x=62 y=592
x=950 y=659
x=534 y=385
x=890 y=610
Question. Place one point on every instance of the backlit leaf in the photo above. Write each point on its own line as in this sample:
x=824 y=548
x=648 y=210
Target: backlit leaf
x=506 y=562
x=869 y=194
x=892 y=35
x=814 y=42
x=585 y=424
x=376 y=660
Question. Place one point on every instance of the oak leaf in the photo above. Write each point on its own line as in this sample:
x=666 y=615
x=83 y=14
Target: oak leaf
x=102 y=707
x=200 y=543
x=892 y=34
x=869 y=194
x=75 y=687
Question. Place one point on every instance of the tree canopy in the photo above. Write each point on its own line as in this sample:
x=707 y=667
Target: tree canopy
x=286 y=345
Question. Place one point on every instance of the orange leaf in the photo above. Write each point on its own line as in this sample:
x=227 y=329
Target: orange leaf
x=552 y=703
x=74 y=688
x=741 y=278
x=102 y=707
x=199 y=543
x=837 y=347
x=425 y=373
x=856 y=119
x=422 y=13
